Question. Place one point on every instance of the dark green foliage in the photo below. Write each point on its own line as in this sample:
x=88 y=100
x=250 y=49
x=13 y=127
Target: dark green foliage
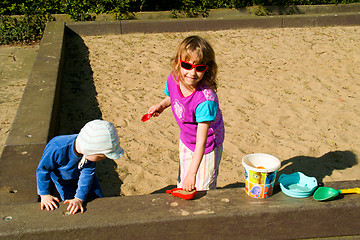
x=26 y=29
x=30 y=7
x=81 y=9
x=191 y=8
x=29 y=28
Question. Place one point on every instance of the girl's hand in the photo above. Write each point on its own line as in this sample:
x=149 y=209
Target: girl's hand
x=157 y=109
x=48 y=202
x=74 y=205
x=189 y=182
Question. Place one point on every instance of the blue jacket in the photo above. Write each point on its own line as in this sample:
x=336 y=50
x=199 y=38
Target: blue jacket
x=59 y=163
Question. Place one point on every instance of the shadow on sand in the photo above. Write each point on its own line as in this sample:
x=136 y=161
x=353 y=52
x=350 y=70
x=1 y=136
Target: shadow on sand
x=78 y=94
x=79 y=105
x=311 y=166
x=319 y=167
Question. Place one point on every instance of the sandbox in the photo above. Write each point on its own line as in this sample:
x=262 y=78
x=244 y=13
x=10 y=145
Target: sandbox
x=147 y=216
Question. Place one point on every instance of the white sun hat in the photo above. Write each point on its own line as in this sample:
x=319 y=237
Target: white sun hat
x=99 y=137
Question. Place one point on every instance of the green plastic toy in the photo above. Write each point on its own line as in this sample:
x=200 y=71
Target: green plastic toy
x=327 y=193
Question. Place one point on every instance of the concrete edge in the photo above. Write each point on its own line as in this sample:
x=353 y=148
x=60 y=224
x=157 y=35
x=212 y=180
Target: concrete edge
x=186 y=25
x=35 y=120
x=217 y=214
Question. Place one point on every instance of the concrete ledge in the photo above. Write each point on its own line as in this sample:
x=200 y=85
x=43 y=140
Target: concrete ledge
x=217 y=214
x=35 y=120
x=187 y=25
x=195 y=24
x=352 y=19
x=95 y=28
x=17 y=173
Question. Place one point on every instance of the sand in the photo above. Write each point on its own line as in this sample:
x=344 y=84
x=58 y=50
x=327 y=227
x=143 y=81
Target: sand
x=291 y=93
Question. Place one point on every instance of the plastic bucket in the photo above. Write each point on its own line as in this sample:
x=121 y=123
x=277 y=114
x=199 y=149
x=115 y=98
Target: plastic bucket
x=260 y=174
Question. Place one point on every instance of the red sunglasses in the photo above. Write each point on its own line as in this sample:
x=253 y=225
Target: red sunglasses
x=189 y=66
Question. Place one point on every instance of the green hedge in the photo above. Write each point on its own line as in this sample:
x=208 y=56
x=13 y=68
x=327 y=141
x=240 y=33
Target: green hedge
x=81 y=9
x=34 y=14
x=27 y=29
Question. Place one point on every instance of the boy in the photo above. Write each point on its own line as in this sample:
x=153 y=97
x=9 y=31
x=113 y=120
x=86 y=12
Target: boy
x=69 y=162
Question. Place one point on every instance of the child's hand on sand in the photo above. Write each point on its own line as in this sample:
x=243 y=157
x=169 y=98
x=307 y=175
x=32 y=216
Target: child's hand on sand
x=74 y=205
x=48 y=202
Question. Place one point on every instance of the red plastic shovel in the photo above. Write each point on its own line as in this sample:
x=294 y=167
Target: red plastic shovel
x=179 y=192
x=146 y=117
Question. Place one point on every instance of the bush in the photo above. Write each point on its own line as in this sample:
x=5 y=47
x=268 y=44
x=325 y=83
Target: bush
x=79 y=10
x=27 y=29
x=30 y=27
x=29 y=7
x=84 y=9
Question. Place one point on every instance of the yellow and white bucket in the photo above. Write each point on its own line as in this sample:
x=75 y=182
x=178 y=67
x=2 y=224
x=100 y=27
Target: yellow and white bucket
x=260 y=174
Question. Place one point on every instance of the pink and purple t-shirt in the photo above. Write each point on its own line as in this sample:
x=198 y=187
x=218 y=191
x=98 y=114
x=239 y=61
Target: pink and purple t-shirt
x=202 y=105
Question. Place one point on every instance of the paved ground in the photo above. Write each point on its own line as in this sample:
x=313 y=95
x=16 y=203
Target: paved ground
x=15 y=67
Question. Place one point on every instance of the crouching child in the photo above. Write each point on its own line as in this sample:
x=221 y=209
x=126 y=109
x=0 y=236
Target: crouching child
x=69 y=162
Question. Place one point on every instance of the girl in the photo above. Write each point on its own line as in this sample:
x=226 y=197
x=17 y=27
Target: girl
x=190 y=91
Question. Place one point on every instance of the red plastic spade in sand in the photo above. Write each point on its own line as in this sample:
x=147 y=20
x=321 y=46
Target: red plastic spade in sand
x=146 y=117
x=179 y=192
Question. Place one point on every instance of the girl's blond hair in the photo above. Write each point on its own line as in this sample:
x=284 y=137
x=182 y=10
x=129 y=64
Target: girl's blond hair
x=195 y=45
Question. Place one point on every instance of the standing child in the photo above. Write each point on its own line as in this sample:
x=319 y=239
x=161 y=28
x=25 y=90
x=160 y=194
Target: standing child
x=69 y=162
x=190 y=91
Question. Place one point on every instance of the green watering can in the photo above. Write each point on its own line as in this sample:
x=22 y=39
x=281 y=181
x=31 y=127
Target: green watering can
x=327 y=193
